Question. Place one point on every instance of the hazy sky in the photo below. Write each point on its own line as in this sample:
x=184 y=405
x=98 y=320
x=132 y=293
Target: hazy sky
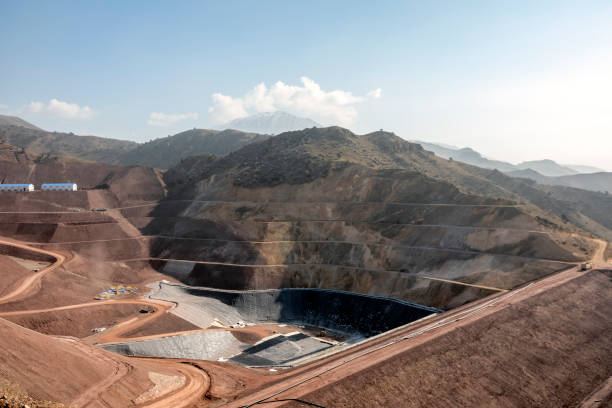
x=516 y=80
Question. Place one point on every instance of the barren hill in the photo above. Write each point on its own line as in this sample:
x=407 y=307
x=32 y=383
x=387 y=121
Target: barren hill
x=372 y=213
x=161 y=153
x=38 y=141
x=15 y=121
x=304 y=156
x=167 y=152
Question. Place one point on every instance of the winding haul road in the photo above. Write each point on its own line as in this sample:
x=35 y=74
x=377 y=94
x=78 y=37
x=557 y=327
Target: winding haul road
x=197 y=381
x=29 y=282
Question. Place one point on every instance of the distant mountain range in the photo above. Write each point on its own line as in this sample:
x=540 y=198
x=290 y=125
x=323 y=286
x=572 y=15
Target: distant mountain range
x=167 y=152
x=467 y=155
x=272 y=123
x=601 y=181
x=578 y=168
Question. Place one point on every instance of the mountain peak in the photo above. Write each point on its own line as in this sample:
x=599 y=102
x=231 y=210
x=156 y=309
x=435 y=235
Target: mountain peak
x=16 y=121
x=271 y=123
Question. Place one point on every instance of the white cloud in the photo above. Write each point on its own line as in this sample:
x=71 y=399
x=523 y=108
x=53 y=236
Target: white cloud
x=376 y=93
x=330 y=107
x=60 y=109
x=226 y=108
x=164 y=120
x=3 y=106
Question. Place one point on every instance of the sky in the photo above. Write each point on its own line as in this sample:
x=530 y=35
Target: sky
x=515 y=80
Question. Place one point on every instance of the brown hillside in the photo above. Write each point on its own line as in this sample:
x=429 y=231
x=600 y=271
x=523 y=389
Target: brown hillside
x=166 y=152
x=546 y=351
x=38 y=141
x=161 y=153
x=371 y=213
x=65 y=370
x=133 y=183
x=33 y=361
x=15 y=121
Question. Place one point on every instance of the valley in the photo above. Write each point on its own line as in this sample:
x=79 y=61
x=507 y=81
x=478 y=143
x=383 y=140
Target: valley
x=305 y=265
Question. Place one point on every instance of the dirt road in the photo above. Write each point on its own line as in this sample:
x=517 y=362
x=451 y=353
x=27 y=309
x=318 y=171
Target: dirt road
x=464 y=284
x=276 y=242
x=197 y=381
x=30 y=281
x=599 y=260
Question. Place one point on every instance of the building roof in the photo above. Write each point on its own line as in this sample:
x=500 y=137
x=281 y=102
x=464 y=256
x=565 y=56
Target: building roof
x=58 y=184
x=13 y=185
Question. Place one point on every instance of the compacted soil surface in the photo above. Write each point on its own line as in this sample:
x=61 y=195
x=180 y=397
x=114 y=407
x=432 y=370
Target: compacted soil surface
x=526 y=355
x=77 y=322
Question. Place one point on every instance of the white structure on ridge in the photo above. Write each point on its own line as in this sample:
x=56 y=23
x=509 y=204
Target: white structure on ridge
x=59 y=187
x=16 y=187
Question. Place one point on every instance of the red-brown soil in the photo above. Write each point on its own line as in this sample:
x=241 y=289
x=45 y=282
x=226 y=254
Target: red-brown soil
x=49 y=368
x=227 y=381
x=526 y=355
x=77 y=322
x=79 y=280
x=68 y=371
x=12 y=274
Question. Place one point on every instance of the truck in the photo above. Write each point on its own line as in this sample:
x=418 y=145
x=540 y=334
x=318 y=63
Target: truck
x=586 y=266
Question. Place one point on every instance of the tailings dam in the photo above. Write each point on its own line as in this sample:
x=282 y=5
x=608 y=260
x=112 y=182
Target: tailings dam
x=269 y=327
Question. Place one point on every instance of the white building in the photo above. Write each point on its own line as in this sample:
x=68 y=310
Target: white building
x=59 y=187
x=16 y=187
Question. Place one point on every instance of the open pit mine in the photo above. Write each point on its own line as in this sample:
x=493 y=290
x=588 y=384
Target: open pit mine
x=313 y=268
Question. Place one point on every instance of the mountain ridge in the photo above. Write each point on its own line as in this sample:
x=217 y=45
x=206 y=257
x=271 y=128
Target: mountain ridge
x=16 y=121
x=546 y=167
x=303 y=157
x=601 y=181
x=271 y=123
x=164 y=153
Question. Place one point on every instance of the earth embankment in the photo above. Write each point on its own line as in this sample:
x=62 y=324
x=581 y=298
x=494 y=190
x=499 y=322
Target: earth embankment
x=527 y=354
